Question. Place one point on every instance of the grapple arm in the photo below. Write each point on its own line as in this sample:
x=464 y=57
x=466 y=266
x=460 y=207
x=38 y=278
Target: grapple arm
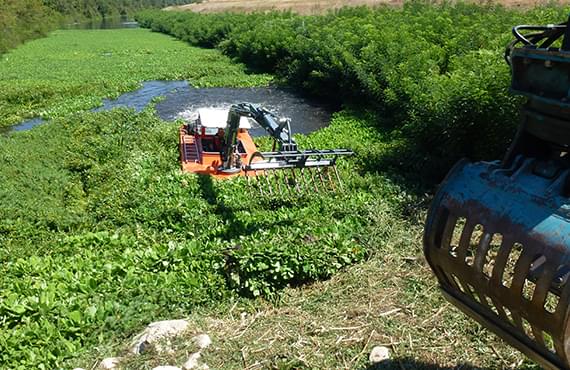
x=497 y=235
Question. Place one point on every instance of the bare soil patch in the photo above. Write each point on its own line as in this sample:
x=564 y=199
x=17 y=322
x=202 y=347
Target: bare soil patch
x=317 y=6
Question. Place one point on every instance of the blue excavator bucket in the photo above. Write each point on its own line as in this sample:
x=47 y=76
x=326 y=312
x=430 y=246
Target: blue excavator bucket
x=497 y=235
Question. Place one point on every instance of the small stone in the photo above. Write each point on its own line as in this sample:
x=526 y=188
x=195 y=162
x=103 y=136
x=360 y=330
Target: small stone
x=192 y=362
x=379 y=354
x=79 y=368
x=203 y=341
x=203 y=367
x=166 y=368
x=110 y=363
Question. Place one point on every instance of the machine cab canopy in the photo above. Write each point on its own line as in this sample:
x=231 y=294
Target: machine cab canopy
x=212 y=119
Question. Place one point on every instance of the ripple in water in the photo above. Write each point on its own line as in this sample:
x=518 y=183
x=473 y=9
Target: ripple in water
x=306 y=115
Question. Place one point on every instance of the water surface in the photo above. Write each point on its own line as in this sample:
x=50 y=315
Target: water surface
x=102 y=24
x=179 y=101
x=306 y=115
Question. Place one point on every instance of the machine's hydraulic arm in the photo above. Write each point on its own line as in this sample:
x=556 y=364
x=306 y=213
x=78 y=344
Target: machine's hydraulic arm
x=229 y=152
x=285 y=154
x=278 y=128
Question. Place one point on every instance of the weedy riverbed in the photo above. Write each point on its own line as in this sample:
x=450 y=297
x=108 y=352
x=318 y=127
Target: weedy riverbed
x=73 y=70
x=102 y=234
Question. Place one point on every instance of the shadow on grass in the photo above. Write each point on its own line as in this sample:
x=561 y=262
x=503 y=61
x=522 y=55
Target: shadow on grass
x=235 y=226
x=411 y=364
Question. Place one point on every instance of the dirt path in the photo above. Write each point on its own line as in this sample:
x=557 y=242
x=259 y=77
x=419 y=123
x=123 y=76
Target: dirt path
x=313 y=6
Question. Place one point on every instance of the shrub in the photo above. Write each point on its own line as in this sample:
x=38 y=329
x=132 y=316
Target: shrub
x=434 y=71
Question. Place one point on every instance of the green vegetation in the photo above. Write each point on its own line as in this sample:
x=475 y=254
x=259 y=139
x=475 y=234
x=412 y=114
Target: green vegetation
x=435 y=74
x=22 y=20
x=76 y=70
x=101 y=233
x=79 y=9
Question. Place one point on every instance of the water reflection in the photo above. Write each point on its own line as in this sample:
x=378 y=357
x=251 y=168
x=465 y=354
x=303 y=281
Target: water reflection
x=102 y=24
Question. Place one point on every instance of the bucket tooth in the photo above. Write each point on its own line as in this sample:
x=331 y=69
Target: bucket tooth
x=330 y=179
x=259 y=185
x=295 y=181
x=248 y=180
x=314 y=180
x=301 y=182
x=277 y=180
x=320 y=175
x=286 y=182
x=305 y=183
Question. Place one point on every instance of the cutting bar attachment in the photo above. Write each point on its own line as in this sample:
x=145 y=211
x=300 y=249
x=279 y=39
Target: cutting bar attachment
x=295 y=159
x=296 y=172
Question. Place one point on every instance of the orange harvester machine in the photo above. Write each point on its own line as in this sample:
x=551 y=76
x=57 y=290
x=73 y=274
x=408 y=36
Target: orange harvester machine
x=217 y=142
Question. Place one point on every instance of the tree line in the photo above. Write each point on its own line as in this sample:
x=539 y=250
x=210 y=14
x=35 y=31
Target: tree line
x=105 y=8
x=22 y=20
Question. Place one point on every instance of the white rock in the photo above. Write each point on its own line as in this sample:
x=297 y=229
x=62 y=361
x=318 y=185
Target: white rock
x=110 y=363
x=79 y=368
x=203 y=367
x=156 y=331
x=192 y=362
x=166 y=368
x=379 y=354
x=202 y=341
